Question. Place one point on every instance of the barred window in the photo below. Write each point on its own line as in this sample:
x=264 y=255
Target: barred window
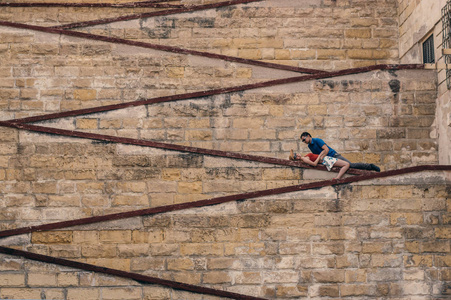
x=428 y=50
x=446 y=31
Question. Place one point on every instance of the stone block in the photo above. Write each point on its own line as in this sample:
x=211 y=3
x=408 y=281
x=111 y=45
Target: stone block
x=250 y=53
x=8 y=148
x=41 y=279
x=20 y=293
x=190 y=278
x=113 y=263
x=67 y=279
x=359 y=275
x=10 y=280
x=362 y=33
x=221 y=263
x=281 y=276
x=87 y=124
x=385 y=274
x=85 y=237
x=85 y=94
x=331 y=54
x=99 y=250
x=56 y=237
x=416 y=288
x=67 y=251
x=348 y=290
x=84 y=293
x=201 y=249
x=115 y=236
x=64 y=201
x=248 y=123
x=156 y=293
x=130 y=200
x=216 y=277
x=376 y=247
x=282 y=54
x=131 y=292
x=145 y=263
x=296 y=291
x=437 y=246
x=328 y=248
x=329 y=276
x=360 y=54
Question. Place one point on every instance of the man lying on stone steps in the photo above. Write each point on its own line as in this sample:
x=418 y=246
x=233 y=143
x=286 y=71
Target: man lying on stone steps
x=319 y=147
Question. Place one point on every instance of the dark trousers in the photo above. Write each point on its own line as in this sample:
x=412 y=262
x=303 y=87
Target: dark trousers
x=361 y=166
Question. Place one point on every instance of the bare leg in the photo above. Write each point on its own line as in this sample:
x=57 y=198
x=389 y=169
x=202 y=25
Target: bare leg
x=344 y=167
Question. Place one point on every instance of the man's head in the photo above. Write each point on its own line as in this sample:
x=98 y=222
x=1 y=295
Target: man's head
x=306 y=137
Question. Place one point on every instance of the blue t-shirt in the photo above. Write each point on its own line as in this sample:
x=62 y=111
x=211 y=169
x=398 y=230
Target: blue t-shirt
x=316 y=144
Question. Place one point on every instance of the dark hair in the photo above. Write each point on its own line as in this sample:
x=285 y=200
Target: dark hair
x=305 y=134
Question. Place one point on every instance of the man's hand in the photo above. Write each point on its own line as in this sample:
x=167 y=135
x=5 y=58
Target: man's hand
x=291 y=157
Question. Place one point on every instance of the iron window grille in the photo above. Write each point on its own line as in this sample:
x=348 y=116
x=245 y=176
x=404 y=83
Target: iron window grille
x=446 y=31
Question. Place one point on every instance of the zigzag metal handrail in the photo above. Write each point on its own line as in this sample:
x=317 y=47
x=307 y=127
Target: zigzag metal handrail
x=219 y=200
x=128 y=275
x=158 y=47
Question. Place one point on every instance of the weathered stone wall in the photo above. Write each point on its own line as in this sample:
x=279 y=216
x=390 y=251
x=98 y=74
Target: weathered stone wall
x=317 y=34
x=314 y=33
x=377 y=117
x=375 y=239
x=381 y=238
x=419 y=19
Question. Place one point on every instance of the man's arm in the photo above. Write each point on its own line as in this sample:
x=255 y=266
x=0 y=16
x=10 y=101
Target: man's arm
x=324 y=152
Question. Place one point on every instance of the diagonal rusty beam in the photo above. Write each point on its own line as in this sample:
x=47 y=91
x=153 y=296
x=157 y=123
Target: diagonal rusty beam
x=123 y=274
x=156 y=14
x=213 y=92
x=158 y=47
x=153 y=4
x=219 y=200
x=167 y=146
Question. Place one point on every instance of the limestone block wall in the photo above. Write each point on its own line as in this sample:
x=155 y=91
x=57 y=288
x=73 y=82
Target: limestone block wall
x=378 y=117
x=419 y=19
x=58 y=179
x=386 y=238
x=378 y=238
x=44 y=73
x=316 y=34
